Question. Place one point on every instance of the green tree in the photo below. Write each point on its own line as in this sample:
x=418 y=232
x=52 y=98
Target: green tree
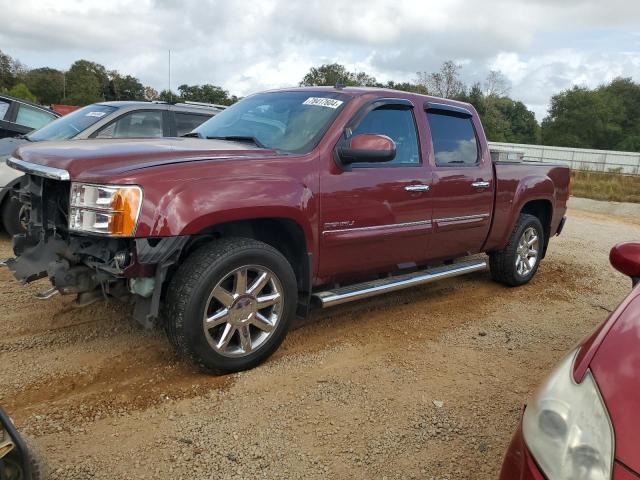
x=522 y=124
x=20 y=90
x=584 y=118
x=87 y=82
x=503 y=119
x=169 y=96
x=47 y=84
x=362 y=79
x=206 y=93
x=407 y=87
x=326 y=75
x=628 y=93
x=331 y=74
x=124 y=87
x=9 y=69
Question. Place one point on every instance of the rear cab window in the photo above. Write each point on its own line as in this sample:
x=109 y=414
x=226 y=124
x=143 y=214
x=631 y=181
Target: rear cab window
x=454 y=139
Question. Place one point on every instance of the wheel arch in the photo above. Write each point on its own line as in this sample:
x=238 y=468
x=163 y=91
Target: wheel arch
x=284 y=234
x=534 y=194
x=543 y=210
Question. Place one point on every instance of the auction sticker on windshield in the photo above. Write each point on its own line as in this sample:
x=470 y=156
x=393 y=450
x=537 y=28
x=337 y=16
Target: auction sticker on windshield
x=95 y=114
x=323 y=102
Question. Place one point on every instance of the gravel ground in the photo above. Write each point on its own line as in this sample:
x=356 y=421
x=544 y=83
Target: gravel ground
x=427 y=383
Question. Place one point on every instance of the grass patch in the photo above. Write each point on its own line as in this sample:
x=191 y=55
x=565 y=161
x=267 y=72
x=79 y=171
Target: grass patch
x=613 y=187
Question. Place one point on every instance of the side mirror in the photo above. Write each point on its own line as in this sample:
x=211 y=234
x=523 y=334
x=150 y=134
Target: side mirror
x=366 y=148
x=625 y=257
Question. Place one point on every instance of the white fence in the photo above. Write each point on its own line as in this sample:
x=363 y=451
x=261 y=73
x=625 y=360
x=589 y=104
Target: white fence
x=577 y=158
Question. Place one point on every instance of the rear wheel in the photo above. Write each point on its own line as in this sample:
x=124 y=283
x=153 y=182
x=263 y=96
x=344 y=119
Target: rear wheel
x=230 y=304
x=518 y=262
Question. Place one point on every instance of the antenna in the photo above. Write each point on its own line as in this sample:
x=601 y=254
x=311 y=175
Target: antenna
x=170 y=96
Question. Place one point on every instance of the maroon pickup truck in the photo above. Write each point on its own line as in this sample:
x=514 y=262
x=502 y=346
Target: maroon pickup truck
x=288 y=200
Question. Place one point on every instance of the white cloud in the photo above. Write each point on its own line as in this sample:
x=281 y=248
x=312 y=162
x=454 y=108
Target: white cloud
x=535 y=78
x=541 y=45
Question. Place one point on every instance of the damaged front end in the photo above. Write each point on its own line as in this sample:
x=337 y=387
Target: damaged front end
x=90 y=265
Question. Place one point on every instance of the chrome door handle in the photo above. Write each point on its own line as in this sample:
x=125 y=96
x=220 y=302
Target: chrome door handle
x=480 y=184
x=417 y=188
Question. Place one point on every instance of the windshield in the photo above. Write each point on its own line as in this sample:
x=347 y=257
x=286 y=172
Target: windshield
x=72 y=124
x=291 y=122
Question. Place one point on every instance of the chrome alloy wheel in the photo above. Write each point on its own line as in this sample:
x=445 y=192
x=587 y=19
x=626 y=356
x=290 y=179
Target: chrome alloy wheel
x=527 y=252
x=243 y=310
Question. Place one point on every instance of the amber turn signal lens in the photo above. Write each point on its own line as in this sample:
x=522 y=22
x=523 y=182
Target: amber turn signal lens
x=125 y=206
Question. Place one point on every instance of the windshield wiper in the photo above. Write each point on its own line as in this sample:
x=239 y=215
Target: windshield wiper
x=240 y=138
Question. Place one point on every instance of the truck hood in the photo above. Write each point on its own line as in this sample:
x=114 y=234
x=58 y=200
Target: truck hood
x=94 y=158
x=616 y=369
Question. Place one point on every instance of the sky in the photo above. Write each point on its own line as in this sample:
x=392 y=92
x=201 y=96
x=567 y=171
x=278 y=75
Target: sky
x=541 y=46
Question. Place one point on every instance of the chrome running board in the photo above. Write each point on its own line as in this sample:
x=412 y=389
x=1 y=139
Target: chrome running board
x=47 y=294
x=337 y=296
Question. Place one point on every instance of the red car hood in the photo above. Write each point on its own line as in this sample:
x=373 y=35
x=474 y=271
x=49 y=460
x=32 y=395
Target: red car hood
x=615 y=363
x=95 y=158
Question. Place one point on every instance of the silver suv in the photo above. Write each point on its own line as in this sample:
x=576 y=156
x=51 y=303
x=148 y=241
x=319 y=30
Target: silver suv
x=101 y=120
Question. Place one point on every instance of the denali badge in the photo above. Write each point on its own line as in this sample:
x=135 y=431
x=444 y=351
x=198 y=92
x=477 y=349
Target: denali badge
x=336 y=225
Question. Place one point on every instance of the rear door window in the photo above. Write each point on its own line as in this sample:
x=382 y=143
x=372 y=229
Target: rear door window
x=33 y=117
x=454 y=139
x=145 y=124
x=186 y=122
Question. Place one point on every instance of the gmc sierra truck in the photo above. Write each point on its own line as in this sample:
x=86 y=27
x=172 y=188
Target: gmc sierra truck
x=288 y=200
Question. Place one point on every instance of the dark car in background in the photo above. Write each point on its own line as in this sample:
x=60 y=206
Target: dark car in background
x=124 y=119
x=18 y=117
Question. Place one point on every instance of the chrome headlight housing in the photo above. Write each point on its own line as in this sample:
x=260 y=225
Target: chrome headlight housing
x=567 y=427
x=104 y=209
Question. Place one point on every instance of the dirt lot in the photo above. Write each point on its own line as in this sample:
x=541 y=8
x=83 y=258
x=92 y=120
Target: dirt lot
x=350 y=394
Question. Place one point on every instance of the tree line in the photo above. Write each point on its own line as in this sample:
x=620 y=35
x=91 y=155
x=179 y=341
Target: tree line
x=504 y=119
x=88 y=82
x=606 y=117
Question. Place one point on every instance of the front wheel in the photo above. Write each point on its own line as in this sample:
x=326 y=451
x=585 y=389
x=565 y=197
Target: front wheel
x=15 y=216
x=230 y=304
x=13 y=465
x=518 y=262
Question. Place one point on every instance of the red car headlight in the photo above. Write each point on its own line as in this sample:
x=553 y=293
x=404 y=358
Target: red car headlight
x=567 y=427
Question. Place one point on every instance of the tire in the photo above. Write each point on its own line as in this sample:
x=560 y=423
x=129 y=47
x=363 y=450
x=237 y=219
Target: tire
x=12 y=466
x=504 y=264
x=209 y=283
x=11 y=211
